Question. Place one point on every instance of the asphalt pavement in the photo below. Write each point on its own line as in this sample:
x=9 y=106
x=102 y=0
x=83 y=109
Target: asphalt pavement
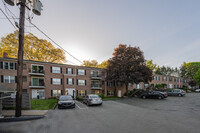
x=132 y=115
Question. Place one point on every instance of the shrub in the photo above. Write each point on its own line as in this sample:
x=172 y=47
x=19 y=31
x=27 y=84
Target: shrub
x=101 y=95
x=79 y=98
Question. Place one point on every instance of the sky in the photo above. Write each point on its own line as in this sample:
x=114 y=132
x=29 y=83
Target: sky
x=167 y=31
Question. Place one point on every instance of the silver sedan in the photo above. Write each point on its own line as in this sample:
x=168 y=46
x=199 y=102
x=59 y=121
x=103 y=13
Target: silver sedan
x=92 y=100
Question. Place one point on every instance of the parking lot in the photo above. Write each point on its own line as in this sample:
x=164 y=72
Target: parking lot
x=174 y=115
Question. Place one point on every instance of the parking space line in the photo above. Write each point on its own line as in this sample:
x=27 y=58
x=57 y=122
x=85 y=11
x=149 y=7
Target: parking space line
x=79 y=106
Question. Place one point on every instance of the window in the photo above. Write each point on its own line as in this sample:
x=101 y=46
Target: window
x=24 y=66
x=69 y=71
x=110 y=93
x=95 y=84
x=56 y=70
x=164 y=78
x=82 y=82
x=94 y=73
x=70 y=81
x=8 y=79
x=56 y=81
x=37 y=69
x=110 y=84
x=24 y=79
x=56 y=93
x=95 y=91
x=138 y=86
x=130 y=84
x=81 y=72
x=81 y=92
x=37 y=82
x=170 y=78
x=146 y=85
x=12 y=66
x=8 y=65
x=119 y=84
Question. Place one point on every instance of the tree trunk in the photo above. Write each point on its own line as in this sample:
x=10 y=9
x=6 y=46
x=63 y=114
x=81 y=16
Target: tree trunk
x=115 y=89
x=126 y=89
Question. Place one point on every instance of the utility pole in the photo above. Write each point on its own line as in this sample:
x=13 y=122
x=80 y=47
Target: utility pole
x=20 y=59
x=36 y=8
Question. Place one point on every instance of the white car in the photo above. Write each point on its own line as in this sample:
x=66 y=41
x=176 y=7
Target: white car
x=197 y=90
x=92 y=100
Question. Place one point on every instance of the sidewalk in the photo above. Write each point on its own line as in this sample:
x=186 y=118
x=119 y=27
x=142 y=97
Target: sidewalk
x=25 y=112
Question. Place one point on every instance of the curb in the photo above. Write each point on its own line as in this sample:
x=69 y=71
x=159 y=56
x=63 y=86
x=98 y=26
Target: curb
x=55 y=106
x=22 y=118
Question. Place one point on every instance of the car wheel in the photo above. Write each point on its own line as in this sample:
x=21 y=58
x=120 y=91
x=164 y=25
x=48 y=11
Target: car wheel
x=159 y=97
x=88 y=104
x=179 y=95
x=144 y=97
x=100 y=104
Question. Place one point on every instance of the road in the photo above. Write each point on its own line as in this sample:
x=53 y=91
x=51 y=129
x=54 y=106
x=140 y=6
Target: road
x=171 y=115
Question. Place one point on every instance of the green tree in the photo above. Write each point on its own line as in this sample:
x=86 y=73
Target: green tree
x=149 y=64
x=192 y=68
x=183 y=70
x=197 y=77
x=34 y=48
x=128 y=66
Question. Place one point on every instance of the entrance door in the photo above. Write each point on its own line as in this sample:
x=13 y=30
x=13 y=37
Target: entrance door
x=119 y=93
x=70 y=91
x=38 y=94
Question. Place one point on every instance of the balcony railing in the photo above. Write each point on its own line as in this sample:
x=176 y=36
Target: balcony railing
x=36 y=72
x=94 y=76
x=39 y=85
x=96 y=86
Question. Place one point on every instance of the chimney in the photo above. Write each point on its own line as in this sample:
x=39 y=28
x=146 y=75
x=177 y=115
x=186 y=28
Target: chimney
x=5 y=55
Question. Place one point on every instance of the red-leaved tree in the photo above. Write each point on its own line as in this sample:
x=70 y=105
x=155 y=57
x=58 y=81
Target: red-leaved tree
x=128 y=66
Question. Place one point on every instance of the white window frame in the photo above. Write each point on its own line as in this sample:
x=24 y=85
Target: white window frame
x=56 y=69
x=56 y=81
x=81 y=92
x=69 y=72
x=81 y=82
x=70 y=81
x=81 y=72
x=110 y=93
x=8 y=79
x=56 y=93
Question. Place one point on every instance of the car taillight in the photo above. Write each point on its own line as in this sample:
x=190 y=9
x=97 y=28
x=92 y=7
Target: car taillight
x=90 y=99
x=182 y=92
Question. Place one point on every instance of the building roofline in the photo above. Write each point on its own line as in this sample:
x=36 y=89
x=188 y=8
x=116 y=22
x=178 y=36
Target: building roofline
x=50 y=63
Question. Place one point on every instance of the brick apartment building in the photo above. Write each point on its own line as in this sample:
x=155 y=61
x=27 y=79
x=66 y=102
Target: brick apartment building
x=44 y=80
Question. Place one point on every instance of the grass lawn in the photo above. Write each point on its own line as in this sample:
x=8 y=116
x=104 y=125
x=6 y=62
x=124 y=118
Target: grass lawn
x=110 y=98
x=43 y=104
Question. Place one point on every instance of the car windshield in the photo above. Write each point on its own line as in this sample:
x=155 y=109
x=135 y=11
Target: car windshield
x=65 y=98
x=94 y=97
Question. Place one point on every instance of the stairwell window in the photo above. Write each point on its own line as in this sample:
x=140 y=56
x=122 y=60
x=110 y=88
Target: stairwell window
x=69 y=71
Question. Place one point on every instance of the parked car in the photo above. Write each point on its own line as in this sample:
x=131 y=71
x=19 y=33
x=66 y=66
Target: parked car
x=66 y=101
x=154 y=94
x=176 y=92
x=197 y=90
x=92 y=99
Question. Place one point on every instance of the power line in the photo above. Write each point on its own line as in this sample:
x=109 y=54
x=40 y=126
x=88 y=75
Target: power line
x=56 y=43
x=8 y=18
x=6 y=8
